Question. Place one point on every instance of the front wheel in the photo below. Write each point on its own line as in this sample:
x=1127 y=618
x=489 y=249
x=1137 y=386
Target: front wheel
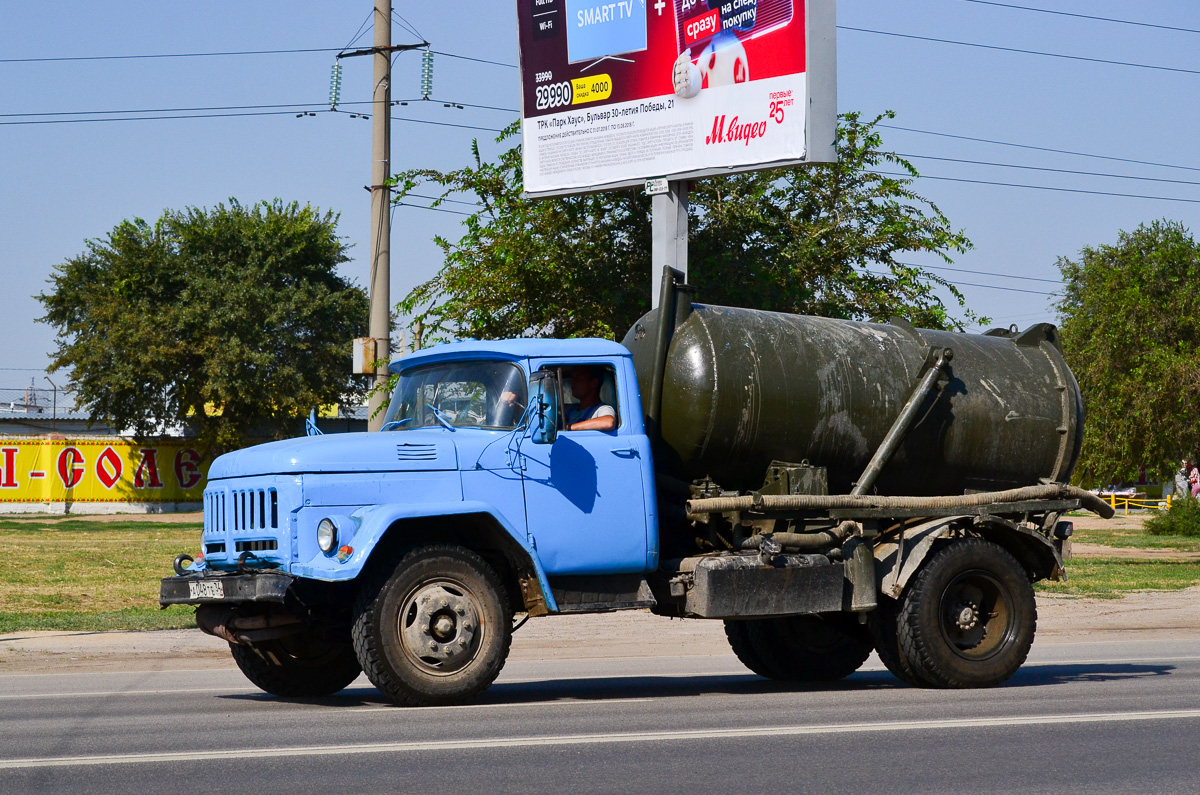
x=968 y=618
x=437 y=631
x=298 y=666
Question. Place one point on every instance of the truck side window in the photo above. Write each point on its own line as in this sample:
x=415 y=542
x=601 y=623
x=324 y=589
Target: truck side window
x=597 y=398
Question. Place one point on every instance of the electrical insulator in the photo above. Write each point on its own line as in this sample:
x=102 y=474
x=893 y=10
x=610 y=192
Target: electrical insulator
x=335 y=86
x=426 y=74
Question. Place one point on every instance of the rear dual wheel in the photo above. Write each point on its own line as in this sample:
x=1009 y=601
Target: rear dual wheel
x=807 y=648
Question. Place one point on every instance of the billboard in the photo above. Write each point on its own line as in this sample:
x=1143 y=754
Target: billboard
x=99 y=470
x=615 y=92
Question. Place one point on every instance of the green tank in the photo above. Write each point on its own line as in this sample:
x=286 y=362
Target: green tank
x=742 y=388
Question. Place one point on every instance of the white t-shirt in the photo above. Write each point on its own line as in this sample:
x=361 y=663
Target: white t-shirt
x=602 y=410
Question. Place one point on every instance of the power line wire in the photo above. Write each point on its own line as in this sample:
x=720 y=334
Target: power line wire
x=238 y=115
x=476 y=60
x=1084 y=16
x=361 y=29
x=1041 y=187
x=225 y=53
x=151 y=118
x=1038 y=148
x=979 y=273
x=1053 y=170
x=965 y=284
x=1023 y=52
x=447 y=124
x=460 y=104
x=178 y=110
x=437 y=198
x=434 y=209
x=168 y=55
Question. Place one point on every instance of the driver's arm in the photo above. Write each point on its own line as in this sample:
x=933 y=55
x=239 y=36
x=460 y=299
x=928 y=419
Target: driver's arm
x=594 y=424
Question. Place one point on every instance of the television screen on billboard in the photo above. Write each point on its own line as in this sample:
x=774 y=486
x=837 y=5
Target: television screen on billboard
x=599 y=29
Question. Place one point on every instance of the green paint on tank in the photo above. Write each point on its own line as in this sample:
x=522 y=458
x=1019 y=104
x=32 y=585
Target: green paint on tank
x=743 y=388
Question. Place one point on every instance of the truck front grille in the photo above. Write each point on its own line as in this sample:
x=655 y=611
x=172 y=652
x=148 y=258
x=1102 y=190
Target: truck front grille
x=242 y=509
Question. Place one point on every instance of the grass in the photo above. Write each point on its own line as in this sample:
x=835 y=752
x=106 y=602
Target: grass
x=89 y=575
x=1112 y=578
x=1134 y=538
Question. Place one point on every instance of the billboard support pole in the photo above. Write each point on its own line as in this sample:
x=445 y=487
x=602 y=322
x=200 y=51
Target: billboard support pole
x=669 y=233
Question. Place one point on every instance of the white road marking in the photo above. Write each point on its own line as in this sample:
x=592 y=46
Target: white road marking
x=425 y=746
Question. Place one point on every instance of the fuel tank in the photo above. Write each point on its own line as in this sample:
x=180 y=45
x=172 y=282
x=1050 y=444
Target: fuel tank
x=742 y=388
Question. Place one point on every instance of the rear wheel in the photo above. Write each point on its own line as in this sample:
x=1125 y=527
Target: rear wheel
x=968 y=618
x=298 y=666
x=437 y=631
x=738 y=635
x=881 y=623
x=807 y=648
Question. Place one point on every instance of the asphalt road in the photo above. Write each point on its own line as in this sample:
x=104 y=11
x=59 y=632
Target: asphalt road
x=1079 y=717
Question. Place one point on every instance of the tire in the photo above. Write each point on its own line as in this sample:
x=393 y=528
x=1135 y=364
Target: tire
x=738 y=635
x=881 y=624
x=437 y=631
x=807 y=648
x=968 y=618
x=298 y=666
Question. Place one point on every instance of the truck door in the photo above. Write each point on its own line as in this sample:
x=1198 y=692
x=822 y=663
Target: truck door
x=586 y=494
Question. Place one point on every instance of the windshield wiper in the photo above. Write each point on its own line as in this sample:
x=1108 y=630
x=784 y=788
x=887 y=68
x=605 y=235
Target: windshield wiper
x=441 y=416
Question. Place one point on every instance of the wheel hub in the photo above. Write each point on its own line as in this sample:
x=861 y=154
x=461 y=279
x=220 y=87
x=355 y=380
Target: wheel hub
x=967 y=616
x=440 y=627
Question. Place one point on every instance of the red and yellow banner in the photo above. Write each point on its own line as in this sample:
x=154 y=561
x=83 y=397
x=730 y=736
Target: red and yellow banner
x=100 y=470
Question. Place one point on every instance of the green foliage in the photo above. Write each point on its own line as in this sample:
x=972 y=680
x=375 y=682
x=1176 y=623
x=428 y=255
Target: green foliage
x=1181 y=519
x=792 y=240
x=1130 y=322
x=237 y=309
x=823 y=240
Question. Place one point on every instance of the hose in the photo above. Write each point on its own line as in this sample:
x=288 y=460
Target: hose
x=809 y=502
x=804 y=541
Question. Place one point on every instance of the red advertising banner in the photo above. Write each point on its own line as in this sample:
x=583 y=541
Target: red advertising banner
x=618 y=91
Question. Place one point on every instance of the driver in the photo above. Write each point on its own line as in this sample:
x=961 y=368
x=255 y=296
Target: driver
x=590 y=414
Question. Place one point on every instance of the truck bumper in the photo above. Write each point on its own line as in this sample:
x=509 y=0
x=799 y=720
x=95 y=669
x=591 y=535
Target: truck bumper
x=220 y=588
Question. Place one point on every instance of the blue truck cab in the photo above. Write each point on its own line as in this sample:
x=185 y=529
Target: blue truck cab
x=306 y=532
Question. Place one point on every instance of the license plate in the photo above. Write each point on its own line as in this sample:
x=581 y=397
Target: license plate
x=206 y=589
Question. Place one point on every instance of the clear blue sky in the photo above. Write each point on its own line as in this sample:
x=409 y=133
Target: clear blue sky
x=62 y=183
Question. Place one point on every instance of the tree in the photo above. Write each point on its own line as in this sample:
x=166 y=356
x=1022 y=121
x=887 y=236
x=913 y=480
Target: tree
x=818 y=240
x=1130 y=325
x=230 y=320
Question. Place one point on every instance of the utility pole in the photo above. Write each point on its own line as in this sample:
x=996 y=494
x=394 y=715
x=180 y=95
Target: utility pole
x=381 y=219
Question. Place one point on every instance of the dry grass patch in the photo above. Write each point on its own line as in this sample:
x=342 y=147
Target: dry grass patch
x=82 y=574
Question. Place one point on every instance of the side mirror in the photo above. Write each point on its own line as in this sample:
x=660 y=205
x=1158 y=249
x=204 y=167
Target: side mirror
x=543 y=407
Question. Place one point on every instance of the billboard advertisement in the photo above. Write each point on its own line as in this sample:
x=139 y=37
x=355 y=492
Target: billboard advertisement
x=100 y=470
x=618 y=91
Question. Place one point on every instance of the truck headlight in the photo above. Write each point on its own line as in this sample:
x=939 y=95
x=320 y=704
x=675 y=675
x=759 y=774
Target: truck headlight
x=327 y=536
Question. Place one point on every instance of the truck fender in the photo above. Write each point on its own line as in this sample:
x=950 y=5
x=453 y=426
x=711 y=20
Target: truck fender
x=1034 y=551
x=376 y=520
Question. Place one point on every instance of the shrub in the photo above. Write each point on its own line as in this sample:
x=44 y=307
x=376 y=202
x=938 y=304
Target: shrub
x=1182 y=519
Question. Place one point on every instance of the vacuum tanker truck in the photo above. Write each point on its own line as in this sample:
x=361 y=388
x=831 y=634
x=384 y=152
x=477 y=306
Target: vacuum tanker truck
x=823 y=487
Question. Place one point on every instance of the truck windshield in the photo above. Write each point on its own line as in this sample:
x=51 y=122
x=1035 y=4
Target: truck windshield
x=466 y=395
